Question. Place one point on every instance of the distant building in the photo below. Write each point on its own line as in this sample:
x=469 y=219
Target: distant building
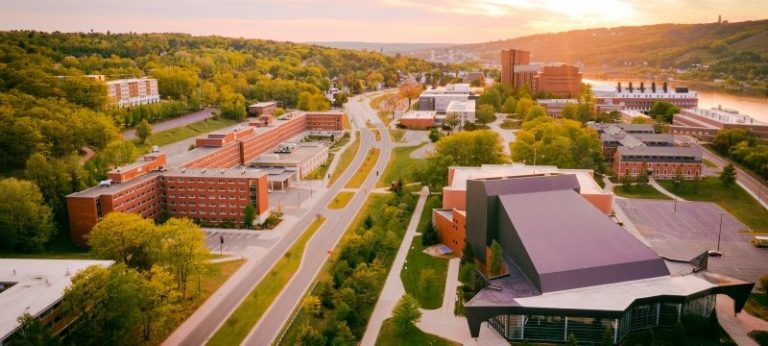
x=567 y=269
x=131 y=92
x=418 y=119
x=613 y=136
x=36 y=287
x=705 y=123
x=660 y=162
x=262 y=109
x=438 y=99
x=470 y=77
x=509 y=59
x=464 y=111
x=561 y=80
x=554 y=107
x=303 y=157
x=642 y=98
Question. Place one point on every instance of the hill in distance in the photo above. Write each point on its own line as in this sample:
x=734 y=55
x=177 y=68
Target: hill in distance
x=386 y=48
x=661 y=45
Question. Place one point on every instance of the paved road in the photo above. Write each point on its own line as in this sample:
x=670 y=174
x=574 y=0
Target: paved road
x=176 y=122
x=752 y=185
x=206 y=320
x=316 y=252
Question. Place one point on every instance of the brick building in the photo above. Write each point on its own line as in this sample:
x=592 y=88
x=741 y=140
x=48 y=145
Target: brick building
x=613 y=136
x=660 y=162
x=140 y=187
x=131 y=92
x=562 y=80
x=418 y=119
x=509 y=60
x=642 y=98
x=450 y=219
x=555 y=107
x=262 y=109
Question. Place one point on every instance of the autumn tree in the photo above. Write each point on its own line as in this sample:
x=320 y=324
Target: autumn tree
x=562 y=143
x=32 y=332
x=125 y=238
x=406 y=313
x=509 y=105
x=485 y=114
x=490 y=97
x=25 y=222
x=410 y=90
x=535 y=112
x=143 y=130
x=176 y=82
x=182 y=250
x=522 y=106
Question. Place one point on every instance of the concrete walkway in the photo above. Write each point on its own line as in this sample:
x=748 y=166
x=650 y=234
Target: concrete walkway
x=664 y=191
x=393 y=287
x=737 y=326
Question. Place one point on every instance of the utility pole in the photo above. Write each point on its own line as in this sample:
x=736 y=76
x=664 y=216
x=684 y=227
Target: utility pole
x=221 y=245
x=719 y=232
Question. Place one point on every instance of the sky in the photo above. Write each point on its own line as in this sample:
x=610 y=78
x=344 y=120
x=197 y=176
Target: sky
x=421 y=21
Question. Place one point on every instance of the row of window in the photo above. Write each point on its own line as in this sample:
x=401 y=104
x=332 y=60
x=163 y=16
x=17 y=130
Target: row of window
x=202 y=188
x=203 y=204
x=192 y=195
x=204 y=180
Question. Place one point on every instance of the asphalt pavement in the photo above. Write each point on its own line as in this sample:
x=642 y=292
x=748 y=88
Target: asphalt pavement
x=176 y=122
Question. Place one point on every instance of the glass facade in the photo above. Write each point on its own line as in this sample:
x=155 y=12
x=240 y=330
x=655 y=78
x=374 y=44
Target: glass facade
x=592 y=330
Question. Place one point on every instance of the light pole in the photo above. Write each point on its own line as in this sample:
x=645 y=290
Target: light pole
x=720 y=231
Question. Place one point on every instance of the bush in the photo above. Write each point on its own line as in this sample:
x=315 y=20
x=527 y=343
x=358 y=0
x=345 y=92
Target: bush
x=430 y=236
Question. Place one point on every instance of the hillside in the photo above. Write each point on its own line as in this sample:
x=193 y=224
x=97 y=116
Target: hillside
x=662 y=45
x=383 y=47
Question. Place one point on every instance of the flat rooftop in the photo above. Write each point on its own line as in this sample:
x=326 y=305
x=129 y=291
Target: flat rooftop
x=556 y=101
x=694 y=152
x=215 y=172
x=99 y=190
x=303 y=152
x=725 y=116
x=461 y=174
x=419 y=115
x=461 y=106
x=651 y=95
x=38 y=284
x=264 y=104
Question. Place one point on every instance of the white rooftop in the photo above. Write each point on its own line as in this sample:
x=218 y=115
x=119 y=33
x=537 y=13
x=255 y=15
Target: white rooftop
x=128 y=80
x=37 y=285
x=556 y=101
x=727 y=116
x=462 y=174
x=461 y=106
x=419 y=115
x=458 y=88
x=651 y=95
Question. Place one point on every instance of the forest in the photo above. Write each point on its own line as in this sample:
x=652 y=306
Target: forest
x=52 y=114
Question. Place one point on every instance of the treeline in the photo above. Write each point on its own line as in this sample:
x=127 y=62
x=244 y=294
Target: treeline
x=52 y=114
x=337 y=311
x=744 y=147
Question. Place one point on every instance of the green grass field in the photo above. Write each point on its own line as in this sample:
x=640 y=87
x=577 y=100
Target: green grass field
x=391 y=335
x=709 y=164
x=400 y=165
x=320 y=172
x=396 y=134
x=192 y=130
x=757 y=305
x=429 y=294
x=733 y=199
x=341 y=200
x=346 y=158
x=364 y=169
x=638 y=191
x=237 y=326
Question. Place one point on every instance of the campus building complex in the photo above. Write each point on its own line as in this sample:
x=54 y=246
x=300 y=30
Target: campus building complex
x=450 y=220
x=568 y=269
x=36 y=287
x=207 y=183
x=130 y=92
x=704 y=123
x=642 y=98
x=439 y=98
x=554 y=107
x=561 y=80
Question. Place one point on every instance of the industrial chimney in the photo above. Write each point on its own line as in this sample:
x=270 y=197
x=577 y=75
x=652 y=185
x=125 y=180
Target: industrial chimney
x=631 y=89
x=653 y=87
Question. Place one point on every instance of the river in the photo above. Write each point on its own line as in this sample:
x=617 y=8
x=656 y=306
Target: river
x=755 y=106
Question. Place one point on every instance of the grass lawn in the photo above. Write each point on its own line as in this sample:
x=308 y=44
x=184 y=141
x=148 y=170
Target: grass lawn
x=733 y=199
x=396 y=134
x=385 y=117
x=757 y=305
x=429 y=293
x=188 y=131
x=400 y=165
x=391 y=335
x=364 y=169
x=340 y=143
x=237 y=326
x=709 y=164
x=345 y=160
x=320 y=172
x=639 y=191
x=376 y=134
x=60 y=246
x=341 y=200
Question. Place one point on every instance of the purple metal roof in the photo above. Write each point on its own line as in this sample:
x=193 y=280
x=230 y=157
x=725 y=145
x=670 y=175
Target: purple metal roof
x=572 y=244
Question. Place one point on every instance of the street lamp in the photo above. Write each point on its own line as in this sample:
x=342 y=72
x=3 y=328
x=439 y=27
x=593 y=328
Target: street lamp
x=720 y=232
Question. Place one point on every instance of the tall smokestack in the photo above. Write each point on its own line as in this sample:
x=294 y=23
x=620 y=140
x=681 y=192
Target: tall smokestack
x=653 y=87
x=631 y=89
x=618 y=87
x=642 y=87
x=665 y=87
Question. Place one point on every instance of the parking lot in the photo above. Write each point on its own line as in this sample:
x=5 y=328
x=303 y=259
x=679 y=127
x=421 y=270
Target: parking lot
x=238 y=242
x=692 y=229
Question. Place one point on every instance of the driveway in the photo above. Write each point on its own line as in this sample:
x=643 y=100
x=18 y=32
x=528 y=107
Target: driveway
x=175 y=122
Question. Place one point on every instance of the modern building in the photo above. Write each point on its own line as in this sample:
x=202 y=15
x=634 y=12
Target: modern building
x=569 y=269
x=131 y=92
x=660 y=162
x=464 y=110
x=704 y=123
x=36 y=287
x=262 y=109
x=303 y=158
x=450 y=219
x=140 y=187
x=642 y=98
x=562 y=80
x=439 y=98
x=555 y=107
x=418 y=119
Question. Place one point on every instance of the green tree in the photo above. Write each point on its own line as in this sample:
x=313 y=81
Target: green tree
x=572 y=340
x=406 y=313
x=309 y=336
x=430 y=236
x=728 y=175
x=32 y=332
x=434 y=135
x=452 y=120
x=143 y=130
x=490 y=97
x=249 y=215
x=509 y=105
x=125 y=238
x=157 y=301
x=535 y=112
x=25 y=222
x=570 y=111
x=485 y=113
x=312 y=305
x=763 y=281
x=663 y=111
x=523 y=104
x=495 y=268
x=176 y=82
x=183 y=251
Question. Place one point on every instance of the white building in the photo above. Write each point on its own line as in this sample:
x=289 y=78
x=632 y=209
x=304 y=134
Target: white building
x=131 y=92
x=463 y=109
x=36 y=287
x=439 y=98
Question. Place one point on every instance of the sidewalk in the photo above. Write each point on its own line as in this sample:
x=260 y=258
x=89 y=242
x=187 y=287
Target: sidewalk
x=664 y=191
x=739 y=325
x=393 y=287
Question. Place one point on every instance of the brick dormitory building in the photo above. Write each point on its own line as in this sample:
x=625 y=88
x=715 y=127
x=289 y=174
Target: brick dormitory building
x=209 y=183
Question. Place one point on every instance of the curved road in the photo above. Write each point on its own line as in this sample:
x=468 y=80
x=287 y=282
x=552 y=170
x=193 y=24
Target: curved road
x=175 y=122
x=328 y=236
x=208 y=318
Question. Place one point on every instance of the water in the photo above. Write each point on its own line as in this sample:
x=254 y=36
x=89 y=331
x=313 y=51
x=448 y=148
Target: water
x=755 y=106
